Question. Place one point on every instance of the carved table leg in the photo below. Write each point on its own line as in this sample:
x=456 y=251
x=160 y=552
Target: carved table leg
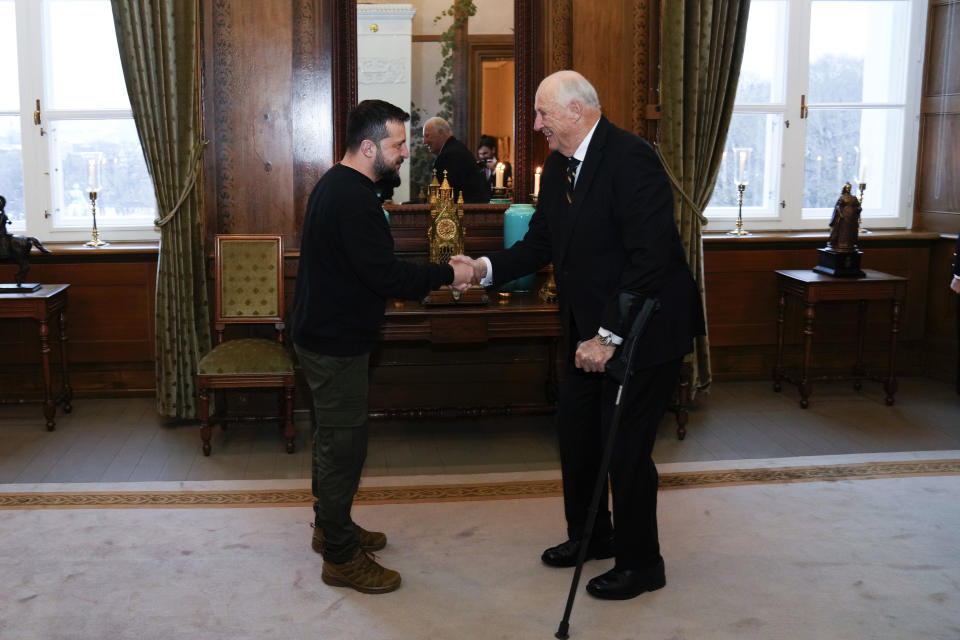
x=805 y=388
x=890 y=386
x=66 y=393
x=858 y=372
x=778 y=367
x=49 y=407
x=205 y=419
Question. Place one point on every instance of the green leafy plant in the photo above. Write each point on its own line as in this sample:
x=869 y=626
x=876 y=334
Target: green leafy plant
x=460 y=11
x=421 y=160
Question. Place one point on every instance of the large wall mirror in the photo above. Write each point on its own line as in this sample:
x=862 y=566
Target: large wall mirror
x=395 y=53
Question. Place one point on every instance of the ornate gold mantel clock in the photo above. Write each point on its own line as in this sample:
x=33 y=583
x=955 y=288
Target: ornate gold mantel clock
x=445 y=236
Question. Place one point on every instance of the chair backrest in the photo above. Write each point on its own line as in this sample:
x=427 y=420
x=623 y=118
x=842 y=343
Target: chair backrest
x=249 y=281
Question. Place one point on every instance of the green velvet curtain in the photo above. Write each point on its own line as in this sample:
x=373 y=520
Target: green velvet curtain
x=159 y=49
x=702 y=48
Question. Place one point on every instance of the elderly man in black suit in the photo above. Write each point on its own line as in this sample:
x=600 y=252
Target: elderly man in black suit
x=955 y=287
x=605 y=219
x=453 y=157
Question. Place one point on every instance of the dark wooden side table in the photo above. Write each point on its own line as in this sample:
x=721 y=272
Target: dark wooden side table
x=47 y=302
x=523 y=315
x=811 y=288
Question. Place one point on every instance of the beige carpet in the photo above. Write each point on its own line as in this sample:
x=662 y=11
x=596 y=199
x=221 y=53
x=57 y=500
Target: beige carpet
x=855 y=547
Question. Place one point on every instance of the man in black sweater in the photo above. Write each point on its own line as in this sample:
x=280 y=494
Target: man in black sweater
x=347 y=272
x=463 y=173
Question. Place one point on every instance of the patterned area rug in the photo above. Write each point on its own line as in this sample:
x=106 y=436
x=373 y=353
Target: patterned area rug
x=766 y=550
x=469 y=491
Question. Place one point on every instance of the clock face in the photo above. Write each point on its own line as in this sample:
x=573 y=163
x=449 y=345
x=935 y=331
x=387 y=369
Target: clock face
x=446 y=229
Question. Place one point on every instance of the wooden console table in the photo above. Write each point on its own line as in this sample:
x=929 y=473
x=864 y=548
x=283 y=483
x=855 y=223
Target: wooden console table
x=42 y=305
x=523 y=315
x=811 y=288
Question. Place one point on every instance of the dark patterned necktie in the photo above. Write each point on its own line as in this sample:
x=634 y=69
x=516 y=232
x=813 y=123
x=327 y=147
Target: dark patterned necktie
x=572 y=164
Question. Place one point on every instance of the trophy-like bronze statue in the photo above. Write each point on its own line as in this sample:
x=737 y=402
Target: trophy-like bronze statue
x=841 y=256
x=14 y=248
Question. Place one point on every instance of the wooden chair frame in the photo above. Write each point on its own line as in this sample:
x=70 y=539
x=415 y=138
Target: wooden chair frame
x=231 y=381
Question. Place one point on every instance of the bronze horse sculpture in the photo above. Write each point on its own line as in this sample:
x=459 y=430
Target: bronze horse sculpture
x=15 y=248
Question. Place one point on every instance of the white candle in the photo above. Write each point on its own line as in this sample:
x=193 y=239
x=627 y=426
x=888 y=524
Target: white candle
x=863 y=170
x=499 y=172
x=536 y=182
x=93 y=179
x=743 y=167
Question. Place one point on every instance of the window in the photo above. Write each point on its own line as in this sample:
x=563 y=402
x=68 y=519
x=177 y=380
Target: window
x=855 y=67
x=66 y=127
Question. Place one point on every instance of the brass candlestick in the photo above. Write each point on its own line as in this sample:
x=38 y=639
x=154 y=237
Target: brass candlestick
x=739 y=230
x=96 y=242
x=860 y=228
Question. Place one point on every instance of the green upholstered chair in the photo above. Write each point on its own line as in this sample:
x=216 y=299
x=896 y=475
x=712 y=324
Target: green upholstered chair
x=248 y=278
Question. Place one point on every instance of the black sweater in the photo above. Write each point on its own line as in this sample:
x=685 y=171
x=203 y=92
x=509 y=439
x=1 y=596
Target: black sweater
x=348 y=269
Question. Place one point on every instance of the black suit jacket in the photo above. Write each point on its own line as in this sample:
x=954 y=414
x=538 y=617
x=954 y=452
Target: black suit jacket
x=462 y=171
x=618 y=235
x=956 y=258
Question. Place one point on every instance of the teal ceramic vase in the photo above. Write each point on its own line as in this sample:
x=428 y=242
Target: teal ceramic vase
x=516 y=221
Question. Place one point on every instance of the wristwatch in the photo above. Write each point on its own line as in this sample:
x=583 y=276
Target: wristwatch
x=605 y=340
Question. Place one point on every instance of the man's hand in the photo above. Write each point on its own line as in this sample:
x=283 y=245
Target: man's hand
x=479 y=266
x=592 y=356
x=462 y=275
x=955 y=285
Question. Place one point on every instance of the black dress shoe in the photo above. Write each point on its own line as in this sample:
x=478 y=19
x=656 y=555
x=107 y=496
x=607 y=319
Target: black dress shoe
x=565 y=553
x=623 y=584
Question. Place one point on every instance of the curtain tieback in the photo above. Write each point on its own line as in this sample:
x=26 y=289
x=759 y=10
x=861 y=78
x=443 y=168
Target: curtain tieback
x=194 y=172
x=676 y=184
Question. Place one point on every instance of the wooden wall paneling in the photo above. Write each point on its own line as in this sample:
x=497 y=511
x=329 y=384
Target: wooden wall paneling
x=313 y=109
x=268 y=110
x=938 y=189
x=601 y=33
x=645 y=78
x=940 y=336
x=427 y=376
x=938 y=166
x=558 y=23
x=110 y=327
x=530 y=147
x=741 y=306
x=943 y=48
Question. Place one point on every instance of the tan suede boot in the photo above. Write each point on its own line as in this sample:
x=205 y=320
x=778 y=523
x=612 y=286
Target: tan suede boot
x=361 y=573
x=369 y=540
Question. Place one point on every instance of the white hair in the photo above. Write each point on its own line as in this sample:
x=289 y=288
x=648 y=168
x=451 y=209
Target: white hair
x=569 y=86
x=439 y=125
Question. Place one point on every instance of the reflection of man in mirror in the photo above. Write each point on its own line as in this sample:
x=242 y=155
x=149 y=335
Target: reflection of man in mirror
x=487 y=160
x=454 y=158
x=845 y=222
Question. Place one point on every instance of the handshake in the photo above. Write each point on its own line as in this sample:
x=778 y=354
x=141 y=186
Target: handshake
x=466 y=272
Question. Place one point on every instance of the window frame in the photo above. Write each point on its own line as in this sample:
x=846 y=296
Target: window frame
x=788 y=214
x=33 y=69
